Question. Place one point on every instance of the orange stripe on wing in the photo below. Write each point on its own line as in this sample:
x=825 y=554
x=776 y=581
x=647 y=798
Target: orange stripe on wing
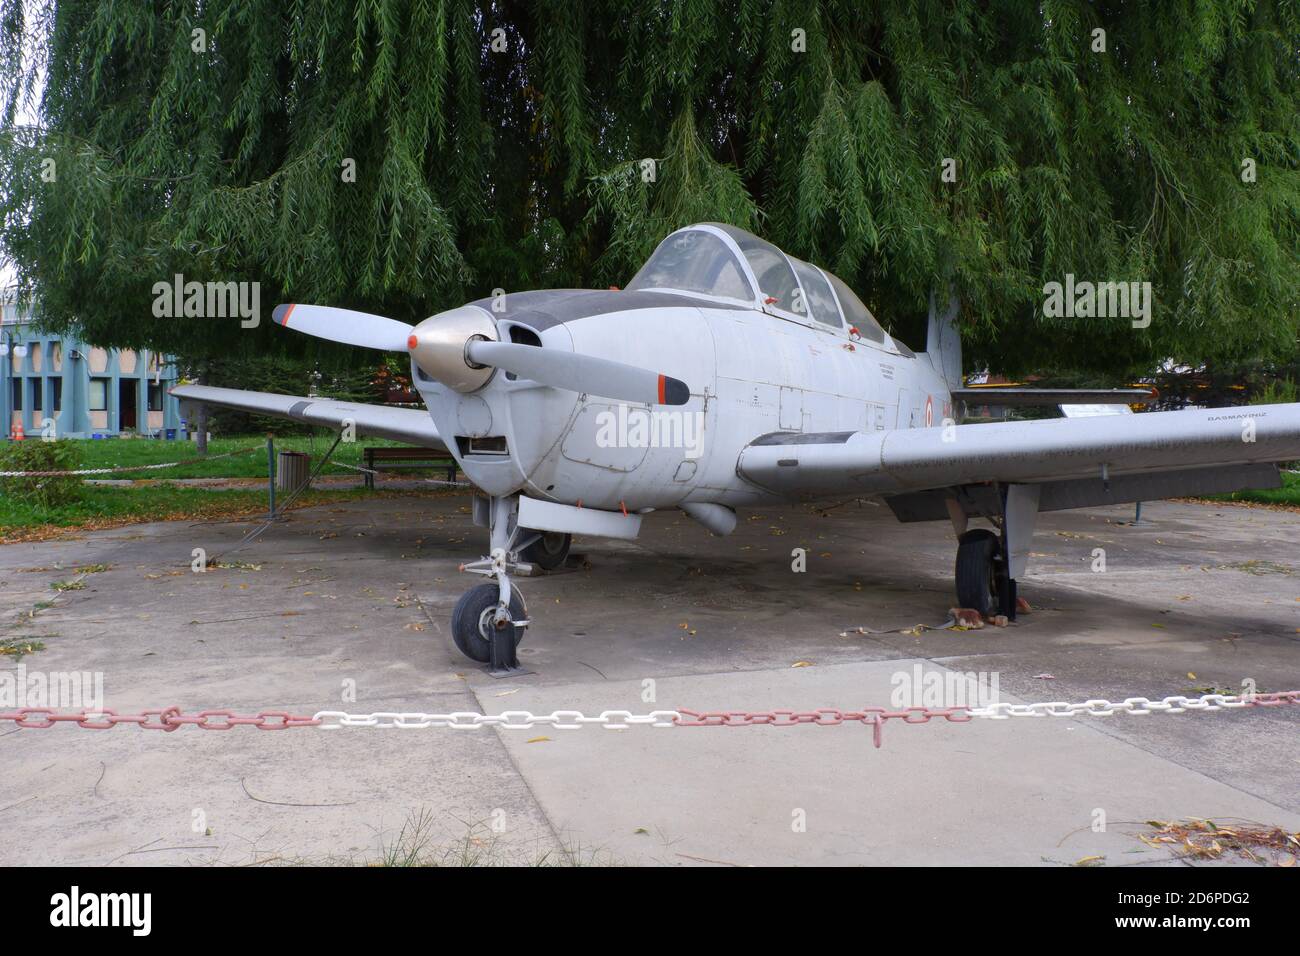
x=662 y=379
x=288 y=312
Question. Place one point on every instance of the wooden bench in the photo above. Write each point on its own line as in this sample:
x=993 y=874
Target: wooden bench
x=393 y=459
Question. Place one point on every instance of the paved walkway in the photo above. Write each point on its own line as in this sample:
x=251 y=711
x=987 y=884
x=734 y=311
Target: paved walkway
x=357 y=597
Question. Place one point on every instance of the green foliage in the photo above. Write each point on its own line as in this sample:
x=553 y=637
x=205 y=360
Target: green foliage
x=479 y=168
x=1288 y=495
x=229 y=456
x=36 y=455
x=1277 y=392
x=287 y=375
x=103 y=506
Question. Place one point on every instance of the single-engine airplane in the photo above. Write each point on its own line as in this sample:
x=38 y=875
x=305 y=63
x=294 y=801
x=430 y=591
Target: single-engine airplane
x=726 y=375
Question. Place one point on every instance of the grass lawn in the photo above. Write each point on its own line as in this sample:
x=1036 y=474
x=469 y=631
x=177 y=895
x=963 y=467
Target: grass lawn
x=155 y=499
x=118 y=452
x=1288 y=494
x=108 y=507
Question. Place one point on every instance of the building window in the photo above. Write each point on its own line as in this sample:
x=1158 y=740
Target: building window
x=37 y=397
x=56 y=395
x=155 y=397
x=18 y=394
x=98 y=395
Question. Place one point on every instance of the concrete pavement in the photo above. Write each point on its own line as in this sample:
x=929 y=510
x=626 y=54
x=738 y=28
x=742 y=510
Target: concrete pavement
x=354 y=600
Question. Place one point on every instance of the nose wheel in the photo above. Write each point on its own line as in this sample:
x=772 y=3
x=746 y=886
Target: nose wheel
x=474 y=627
x=489 y=620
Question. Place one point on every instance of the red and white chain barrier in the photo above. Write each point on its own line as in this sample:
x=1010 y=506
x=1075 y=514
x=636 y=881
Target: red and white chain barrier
x=122 y=468
x=172 y=718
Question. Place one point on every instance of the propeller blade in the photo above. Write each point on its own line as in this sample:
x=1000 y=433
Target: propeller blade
x=345 y=326
x=580 y=373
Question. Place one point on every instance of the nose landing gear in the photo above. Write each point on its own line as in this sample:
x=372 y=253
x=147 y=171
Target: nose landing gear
x=489 y=620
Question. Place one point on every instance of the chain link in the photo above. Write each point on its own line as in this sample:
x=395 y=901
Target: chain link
x=161 y=718
x=172 y=718
x=1135 y=706
x=509 y=720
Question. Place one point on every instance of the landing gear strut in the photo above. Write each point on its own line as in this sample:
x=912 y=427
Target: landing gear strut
x=988 y=562
x=489 y=620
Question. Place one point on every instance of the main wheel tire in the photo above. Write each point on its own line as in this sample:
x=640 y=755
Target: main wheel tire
x=471 y=621
x=978 y=569
x=548 y=551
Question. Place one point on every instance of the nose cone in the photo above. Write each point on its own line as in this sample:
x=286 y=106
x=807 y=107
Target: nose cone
x=438 y=346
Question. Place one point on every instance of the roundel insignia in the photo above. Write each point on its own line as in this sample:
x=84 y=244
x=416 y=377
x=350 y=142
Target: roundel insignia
x=929 y=410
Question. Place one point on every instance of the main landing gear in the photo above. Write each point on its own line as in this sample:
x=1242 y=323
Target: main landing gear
x=981 y=571
x=489 y=620
x=988 y=562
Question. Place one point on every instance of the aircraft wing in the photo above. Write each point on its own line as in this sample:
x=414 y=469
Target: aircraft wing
x=410 y=425
x=1079 y=462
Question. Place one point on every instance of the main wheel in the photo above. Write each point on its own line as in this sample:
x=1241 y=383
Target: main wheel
x=548 y=551
x=472 y=622
x=978 y=569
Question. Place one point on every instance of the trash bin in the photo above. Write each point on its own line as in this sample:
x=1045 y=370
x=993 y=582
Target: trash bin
x=291 y=470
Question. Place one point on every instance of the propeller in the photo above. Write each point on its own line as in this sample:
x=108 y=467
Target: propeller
x=458 y=349
x=580 y=373
x=345 y=326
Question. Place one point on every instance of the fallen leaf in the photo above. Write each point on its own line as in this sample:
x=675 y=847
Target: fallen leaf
x=538 y=740
x=802 y=664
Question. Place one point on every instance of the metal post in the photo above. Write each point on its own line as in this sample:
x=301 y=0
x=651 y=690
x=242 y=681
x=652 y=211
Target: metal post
x=1137 y=516
x=270 y=472
x=6 y=390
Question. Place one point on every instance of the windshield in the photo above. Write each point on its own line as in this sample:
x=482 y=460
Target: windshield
x=858 y=314
x=820 y=300
x=694 y=261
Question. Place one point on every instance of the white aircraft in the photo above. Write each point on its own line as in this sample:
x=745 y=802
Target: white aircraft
x=729 y=375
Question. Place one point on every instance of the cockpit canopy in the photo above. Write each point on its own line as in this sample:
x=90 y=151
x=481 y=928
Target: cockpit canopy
x=721 y=261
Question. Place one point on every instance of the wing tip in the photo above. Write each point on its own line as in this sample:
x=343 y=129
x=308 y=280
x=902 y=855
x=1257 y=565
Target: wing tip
x=282 y=313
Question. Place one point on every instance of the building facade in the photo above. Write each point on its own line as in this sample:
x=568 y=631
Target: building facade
x=60 y=386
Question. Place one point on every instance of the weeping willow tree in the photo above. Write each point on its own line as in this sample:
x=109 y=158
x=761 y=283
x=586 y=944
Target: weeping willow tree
x=402 y=156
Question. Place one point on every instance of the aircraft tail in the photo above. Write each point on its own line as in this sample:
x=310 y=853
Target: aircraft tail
x=943 y=343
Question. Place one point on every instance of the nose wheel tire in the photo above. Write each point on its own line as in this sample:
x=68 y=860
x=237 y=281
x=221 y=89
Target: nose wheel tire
x=474 y=618
x=979 y=569
x=548 y=551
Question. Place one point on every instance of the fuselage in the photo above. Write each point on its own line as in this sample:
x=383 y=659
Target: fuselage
x=751 y=372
